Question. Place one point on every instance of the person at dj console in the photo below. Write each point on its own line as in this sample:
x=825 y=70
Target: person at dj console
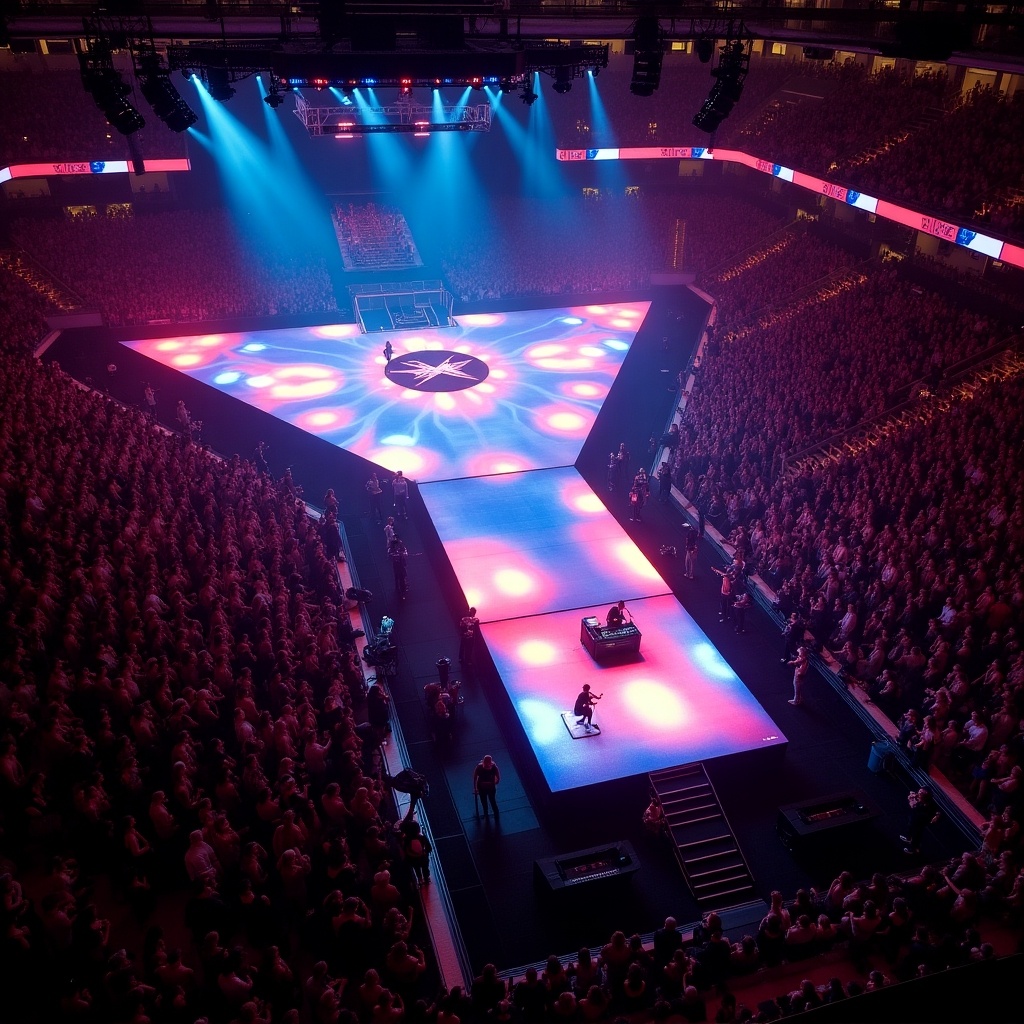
x=616 y=615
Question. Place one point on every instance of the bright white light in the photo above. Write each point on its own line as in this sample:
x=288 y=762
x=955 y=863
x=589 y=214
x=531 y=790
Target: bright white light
x=513 y=582
x=253 y=346
x=617 y=344
x=537 y=652
x=263 y=380
x=228 y=377
x=571 y=320
x=654 y=704
x=402 y=440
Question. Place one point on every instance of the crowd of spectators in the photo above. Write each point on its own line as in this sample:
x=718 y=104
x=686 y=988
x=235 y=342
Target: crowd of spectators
x=24 y=304
x=793 y=255
x=576 y=245
x=902 y=556
x=178 y=264
x=878 y=931
x=374 y=236
x=49 y=116
x=179 y=704
x=981 y=175
x=874 y=130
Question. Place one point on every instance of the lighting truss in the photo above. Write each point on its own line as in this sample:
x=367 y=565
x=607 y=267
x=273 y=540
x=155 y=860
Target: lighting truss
x=407 y=118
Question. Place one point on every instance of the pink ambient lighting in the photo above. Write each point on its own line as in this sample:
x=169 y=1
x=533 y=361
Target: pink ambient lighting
x=410 y=461
x=569 y=422
x=587 y=390
x=336 y=331
x=324 y=419
x=481 y=319
x=490 y=463
x=656 y=704
x=537 y=653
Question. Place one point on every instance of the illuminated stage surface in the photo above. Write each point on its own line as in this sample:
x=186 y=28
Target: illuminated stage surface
x=531 y=543
x=490 y=418
x=679 y=702
x=500 y=393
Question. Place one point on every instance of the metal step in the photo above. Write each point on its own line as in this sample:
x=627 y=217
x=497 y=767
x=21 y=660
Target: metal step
x=706 y=849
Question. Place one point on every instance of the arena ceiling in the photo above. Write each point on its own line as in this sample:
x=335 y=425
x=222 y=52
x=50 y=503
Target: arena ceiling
x=989 y=34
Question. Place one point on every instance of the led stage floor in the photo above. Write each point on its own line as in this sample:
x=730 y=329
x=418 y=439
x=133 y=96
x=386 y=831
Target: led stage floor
x=678 y=702
x=530 y=543
x=538 y=551
x=521 y=390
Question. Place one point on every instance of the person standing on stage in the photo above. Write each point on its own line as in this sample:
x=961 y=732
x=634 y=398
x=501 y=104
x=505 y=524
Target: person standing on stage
x=400 y=490
x=389 y=532
x=801 y=664
x=149 y=395
x=389 y=351
x=468 y=626
x=583 y=709
x=486 y=776
x=616 y=615
x=374 y=490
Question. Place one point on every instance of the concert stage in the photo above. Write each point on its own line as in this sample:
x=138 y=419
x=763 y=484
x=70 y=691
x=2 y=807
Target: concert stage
x=530 y=543
x=499 y=393
x=534 y=551
x=489 y=417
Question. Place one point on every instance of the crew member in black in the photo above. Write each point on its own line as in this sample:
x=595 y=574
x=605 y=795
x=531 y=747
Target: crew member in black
x=486 y=777
x=616 y=615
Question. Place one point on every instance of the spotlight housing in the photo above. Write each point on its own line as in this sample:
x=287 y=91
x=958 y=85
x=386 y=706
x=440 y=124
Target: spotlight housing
x=110 y=93
x=156 y=85
x=218 y=83
x=528 y=96
x=563 y=79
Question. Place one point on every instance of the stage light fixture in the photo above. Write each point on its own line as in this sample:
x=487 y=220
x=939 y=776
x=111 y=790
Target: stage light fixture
x=156 y=85
x=529 y=97
x=647 y=56
x=705 y=47
x=110 y=91
x=273 y=99
x=563 y=79
x=218 y=83
x=730 y=75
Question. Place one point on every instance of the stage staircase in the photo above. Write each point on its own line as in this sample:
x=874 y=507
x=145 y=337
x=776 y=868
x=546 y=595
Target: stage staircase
x=712 y=863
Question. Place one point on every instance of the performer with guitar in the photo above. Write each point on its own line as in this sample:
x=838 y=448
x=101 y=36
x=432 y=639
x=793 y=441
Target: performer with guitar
x=583 y=709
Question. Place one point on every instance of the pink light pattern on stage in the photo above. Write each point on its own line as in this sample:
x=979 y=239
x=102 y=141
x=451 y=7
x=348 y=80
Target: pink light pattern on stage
x=530 y=543
x=549 y=372
x=679 y=702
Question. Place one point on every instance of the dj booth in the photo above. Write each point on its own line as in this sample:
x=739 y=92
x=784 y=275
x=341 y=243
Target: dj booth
x=608 y=641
